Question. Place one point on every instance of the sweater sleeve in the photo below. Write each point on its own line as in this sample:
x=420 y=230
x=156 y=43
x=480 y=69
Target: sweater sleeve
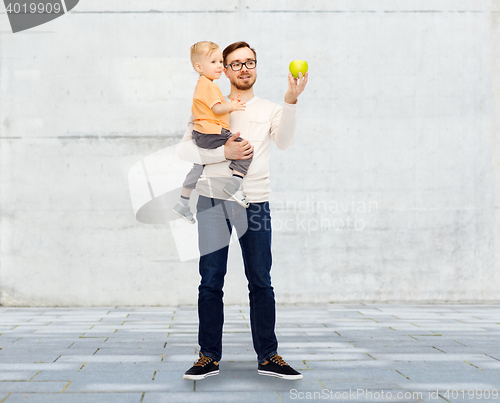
x=189 y=151
x=283 y=125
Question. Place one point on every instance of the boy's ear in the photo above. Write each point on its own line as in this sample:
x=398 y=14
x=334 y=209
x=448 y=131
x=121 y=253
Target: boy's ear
x=197 y=67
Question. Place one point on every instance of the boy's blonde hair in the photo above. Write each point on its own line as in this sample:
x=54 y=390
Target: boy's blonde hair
x=200 y=49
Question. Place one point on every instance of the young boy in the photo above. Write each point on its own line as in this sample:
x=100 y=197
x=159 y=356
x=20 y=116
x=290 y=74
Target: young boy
x=211 y=125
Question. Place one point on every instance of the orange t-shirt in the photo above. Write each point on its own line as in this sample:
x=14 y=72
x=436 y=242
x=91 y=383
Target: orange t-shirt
x=207 y=94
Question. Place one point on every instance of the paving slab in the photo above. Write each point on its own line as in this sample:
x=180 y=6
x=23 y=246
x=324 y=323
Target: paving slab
x=16 y=375
x=213 y=397
x=32 y=386
x=74 y=397
x=139 y=354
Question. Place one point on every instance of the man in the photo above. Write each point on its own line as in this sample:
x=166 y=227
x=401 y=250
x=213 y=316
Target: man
x=261 y=122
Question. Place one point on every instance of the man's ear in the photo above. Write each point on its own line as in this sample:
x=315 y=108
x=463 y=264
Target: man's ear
x=225 y=72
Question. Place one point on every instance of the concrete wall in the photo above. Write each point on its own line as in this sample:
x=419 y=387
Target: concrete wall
x=391 y=191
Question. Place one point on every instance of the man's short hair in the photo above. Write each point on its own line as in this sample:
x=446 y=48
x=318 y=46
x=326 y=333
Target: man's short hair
x=204 y=48
x=236 y=45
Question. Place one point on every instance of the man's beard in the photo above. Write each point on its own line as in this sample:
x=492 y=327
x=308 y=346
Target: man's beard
x=245 y=86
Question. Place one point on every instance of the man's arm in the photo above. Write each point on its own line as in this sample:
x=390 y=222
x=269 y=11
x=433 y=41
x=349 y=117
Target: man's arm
x=283 y=125
x=284 y=119
x=232 y=150
x=189 y=151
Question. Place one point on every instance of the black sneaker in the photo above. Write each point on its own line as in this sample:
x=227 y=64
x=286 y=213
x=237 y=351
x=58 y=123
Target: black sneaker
x=205 y=366
x=275 y=366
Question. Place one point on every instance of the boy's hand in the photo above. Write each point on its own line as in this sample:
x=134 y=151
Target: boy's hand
x=236 y=104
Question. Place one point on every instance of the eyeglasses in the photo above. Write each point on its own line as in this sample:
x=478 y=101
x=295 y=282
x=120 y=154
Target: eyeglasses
x=237 y=66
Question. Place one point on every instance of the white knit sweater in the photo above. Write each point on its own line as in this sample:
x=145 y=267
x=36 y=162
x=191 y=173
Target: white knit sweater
x=260 y=122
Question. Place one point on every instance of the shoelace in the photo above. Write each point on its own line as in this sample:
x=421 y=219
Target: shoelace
x=278 y=360
x=203 y=360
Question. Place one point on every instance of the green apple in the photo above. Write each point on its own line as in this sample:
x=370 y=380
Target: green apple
x=298 y=66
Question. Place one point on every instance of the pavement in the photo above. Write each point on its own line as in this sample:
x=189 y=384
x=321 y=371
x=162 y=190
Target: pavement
x=347 y=353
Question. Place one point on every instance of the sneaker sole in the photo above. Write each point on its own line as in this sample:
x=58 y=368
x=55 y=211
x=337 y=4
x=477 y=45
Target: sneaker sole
x=198 y=377
x=282 y=376
x=236 y=200
x=184 y=218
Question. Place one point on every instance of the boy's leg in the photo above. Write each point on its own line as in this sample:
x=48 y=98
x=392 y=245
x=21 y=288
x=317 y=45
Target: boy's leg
x=209 y=141
x=182 y=207
x=233 y=187
x=192 y=179
x=239 y=166
x=190 y=183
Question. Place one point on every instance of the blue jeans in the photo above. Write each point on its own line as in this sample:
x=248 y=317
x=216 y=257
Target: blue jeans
x=253 y=225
